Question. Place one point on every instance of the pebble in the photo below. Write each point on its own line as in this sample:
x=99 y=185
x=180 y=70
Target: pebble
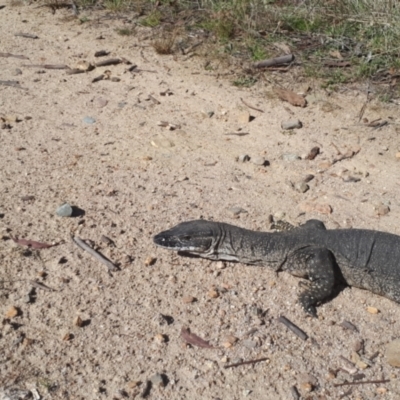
x=398 y=155
x=246 y=392
x=290 y=157
x=78 y=321
x=213 y=294
x=188 y=299
x=393 y=353
x=382 y=209
x=258 y=160
x=243 y=158
x=17 y=72
x=27 y=298
x=150 y=261
x=64 y=211
x=293 y=124
x=160 y=338
x=301 y=187
x=350 y=178
x=308 y=178
x=250 y=344
x=372 y=310
x=231 y=339
x=236 y=210
x=162 y=143
x=244 y=117
x=157 y=380
x=12 y=312
x=321 y=208
x=100 y=102
x=89 y=120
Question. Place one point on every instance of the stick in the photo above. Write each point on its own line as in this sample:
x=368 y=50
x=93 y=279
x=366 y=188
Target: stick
x=95 y=254
x=41 y=286
x=111 y=61
x=295 y=329
x=274 y=61
x=14 y=55
x=361 y=382
x=246 y=362
x=248 y=105
x=47 y=66
x=27 y=35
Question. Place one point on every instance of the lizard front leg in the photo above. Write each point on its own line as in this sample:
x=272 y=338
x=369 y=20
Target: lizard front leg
x=318 y=265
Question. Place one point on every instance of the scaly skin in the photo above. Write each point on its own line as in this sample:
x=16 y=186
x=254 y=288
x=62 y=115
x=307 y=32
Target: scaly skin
x=366 y=259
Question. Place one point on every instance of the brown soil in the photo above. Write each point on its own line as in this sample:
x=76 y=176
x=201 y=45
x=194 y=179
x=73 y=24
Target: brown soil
x=133 y=178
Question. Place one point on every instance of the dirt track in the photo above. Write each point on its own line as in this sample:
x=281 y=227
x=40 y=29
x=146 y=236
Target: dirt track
x=133 y=178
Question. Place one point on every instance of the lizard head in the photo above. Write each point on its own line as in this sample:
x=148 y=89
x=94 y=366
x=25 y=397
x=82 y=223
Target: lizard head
x=193 y=237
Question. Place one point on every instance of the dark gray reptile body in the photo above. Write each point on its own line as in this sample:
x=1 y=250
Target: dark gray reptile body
x=366 y=259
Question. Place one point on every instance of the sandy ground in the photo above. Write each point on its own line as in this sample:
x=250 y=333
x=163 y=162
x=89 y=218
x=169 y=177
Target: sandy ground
x=133 y=178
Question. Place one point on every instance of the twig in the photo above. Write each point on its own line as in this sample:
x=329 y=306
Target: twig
x=236 y=134
x=12 y=84
x=246 y=362
x=111 y=61
x=274 y=61
x=95 y=254
x=294 y=328
x=42 y=286
x=27 y=35
x=14 y=55
x=250 y=106
x=361 y=382
x=47 y=66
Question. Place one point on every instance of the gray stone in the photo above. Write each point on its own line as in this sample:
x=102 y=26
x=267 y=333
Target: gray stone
x=290 y=157
x=293 y=124
x=250 y=344
x=89 y=120
x=301 y=187
x=157 y=380
x=393 y=353
x=258 y=160
x=64 y=211
x=243 y=158
x=237 y=210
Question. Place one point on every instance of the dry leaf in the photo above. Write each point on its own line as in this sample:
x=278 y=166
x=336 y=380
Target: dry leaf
x=195 y=340
x=291 y=97
x=336 y=54
x=32 y=243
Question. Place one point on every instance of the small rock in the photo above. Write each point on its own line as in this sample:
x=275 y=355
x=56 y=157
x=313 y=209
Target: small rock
x=212 y=293
x=293 y=124
x=220 y=265
x=188 y=299
x=316 y=207
x=308 y=379
x=227 y=345
x=236 y=210
x=381 y=390
x=89 y=120
x=382 y=209
x=244 y=117
x=243 y=158
x=78 y=321
x=290 y=157
x=398 y=155
x=12 y=312
x=393 y=353
x=27 y=298
x=306 y=387
x=161 y=142
x=160 y=338
x=258 y=160
x=246 y=392
x=64 y=211
x=372 y=310
x=100 y=102
x=150 y=261
x=250 y=344
x=324 y=165
x=301 y=187
x=67 y=337
x=349 y=178
x=17 y=72
x=308 y=178
x=157 y=380
x=313 y=153
x=231 y=339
